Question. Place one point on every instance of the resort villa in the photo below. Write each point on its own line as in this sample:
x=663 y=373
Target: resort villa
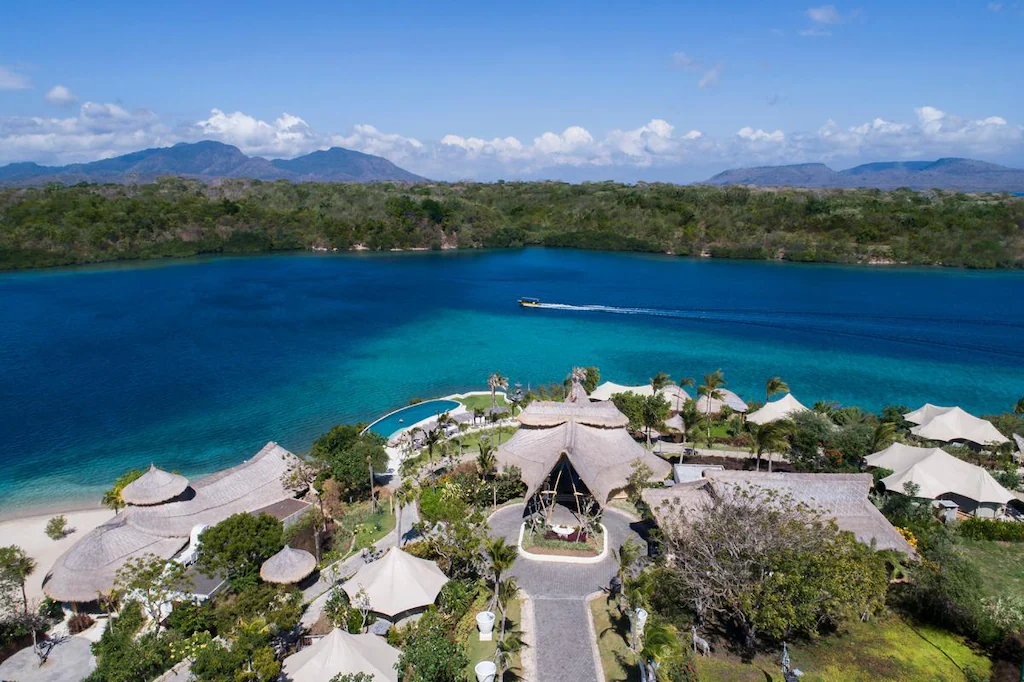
x=165 y=516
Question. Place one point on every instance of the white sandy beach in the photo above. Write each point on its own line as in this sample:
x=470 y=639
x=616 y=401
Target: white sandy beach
x=29 y=533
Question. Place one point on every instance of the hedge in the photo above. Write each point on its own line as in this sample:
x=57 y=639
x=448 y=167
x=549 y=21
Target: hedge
x=989 y=529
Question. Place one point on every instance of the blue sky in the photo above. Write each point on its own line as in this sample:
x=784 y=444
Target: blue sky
x=669 y=91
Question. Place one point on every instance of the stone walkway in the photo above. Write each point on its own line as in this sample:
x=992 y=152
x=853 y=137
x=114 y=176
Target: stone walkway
x=70 y=661
x=564 y=648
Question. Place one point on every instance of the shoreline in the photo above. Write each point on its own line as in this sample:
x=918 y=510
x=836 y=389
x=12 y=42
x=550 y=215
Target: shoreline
x=36 y=510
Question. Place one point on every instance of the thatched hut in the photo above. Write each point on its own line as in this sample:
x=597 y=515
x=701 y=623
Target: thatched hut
x=728 y=399
x=154 y=487
x=287 y=567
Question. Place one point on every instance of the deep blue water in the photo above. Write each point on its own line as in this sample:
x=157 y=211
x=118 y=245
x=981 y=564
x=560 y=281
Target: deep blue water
x=196 y=364
x=407 y=416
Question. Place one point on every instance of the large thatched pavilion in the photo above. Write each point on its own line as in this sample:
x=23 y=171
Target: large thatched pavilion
x=89 y=568
x=575 y=453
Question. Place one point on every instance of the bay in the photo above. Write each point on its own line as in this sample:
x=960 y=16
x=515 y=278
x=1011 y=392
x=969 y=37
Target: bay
x=194 y=365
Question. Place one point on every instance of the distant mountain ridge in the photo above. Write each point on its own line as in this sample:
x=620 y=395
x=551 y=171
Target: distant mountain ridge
x=209 y=160
x=967 y=175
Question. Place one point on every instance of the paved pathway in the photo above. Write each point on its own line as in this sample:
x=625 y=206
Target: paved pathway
x=317 y=593
x=563 y=649
x=70 y=661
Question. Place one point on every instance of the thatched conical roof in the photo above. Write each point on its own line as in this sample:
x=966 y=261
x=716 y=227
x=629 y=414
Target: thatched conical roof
x=153 y=487
x=288 y=566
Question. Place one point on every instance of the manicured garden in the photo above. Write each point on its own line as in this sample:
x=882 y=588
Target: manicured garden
x=483 y=401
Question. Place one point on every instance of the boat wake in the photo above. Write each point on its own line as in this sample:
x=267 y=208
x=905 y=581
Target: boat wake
x=819 y=323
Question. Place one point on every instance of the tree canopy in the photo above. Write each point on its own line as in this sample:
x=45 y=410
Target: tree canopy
x=237 y=546
x=346 y=455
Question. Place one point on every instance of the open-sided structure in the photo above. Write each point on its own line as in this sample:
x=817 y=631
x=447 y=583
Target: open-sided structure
x=89 y=568
x=397 y=583
x=341 y=653
x=941 y=476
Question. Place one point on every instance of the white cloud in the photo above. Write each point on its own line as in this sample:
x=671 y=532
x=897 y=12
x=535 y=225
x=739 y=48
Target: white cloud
x=12 y=80
x=710 y=73
x=710 y=76
x=825 y=14
x=815 y=33
x=995 y=7
x=61 y=96
x=101 y=130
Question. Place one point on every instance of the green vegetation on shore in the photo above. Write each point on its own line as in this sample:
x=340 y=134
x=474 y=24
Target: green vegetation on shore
x=175 y=217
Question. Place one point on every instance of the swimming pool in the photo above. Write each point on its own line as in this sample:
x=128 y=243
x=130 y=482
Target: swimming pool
x=407 y=416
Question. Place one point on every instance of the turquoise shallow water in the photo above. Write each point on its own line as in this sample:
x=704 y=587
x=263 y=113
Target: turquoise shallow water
x=196 y=364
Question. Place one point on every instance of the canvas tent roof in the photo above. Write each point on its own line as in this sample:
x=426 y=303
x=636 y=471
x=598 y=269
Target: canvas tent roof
x=843 y=497
x=397 y=582
x=153 y=487
x=784 y=407
x=288 y=566
x=341 y=653
x=955 y=424
x=937 y=473
x=603 y=458
x=729 y=399
x=672 y=393
x=925 y=413
x=91 y=564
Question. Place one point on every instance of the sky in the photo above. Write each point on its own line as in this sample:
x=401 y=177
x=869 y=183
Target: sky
x=670 y=91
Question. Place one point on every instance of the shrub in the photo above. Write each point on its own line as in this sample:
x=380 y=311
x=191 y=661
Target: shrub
x=80 y=622
x=57 y=527
x=991 y=529
x=51 y=610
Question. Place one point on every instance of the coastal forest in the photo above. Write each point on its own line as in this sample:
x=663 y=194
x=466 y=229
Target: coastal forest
x=177 y=217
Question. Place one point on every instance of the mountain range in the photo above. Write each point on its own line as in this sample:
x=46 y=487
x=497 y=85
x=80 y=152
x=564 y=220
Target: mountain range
x=209 y=161
x=966 y=175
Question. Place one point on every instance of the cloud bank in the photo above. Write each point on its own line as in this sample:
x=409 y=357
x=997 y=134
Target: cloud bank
x=657 y=148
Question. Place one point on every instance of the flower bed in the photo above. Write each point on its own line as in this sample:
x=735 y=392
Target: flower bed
x=578 y=543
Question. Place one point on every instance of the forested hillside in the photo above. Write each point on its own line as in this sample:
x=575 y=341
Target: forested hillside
x=59 y=225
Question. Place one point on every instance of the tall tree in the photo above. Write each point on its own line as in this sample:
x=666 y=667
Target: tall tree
x=486 y=460
x=500 y=557
x=406 y=494
x=773 y=386
x=153 y=582
x=238 y=545
x=711 y=390
x=15 y=568
x=494 y=382
x=771 y=437
x=660 y=381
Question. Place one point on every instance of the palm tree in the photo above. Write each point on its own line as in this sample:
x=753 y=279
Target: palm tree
x=486 y=459
x=883 y=436
x=508 y=591
x=500 y=556
x=406 y=494
x=516 y=397
x=770 y=437
x=15 y=568
x=506 y=649
x=1019 y=407
x=661 y=642
x=494 y=382
x=431 y=438
x=773 y=386
x=685 y=382
x=660 y=381
x=709 y=390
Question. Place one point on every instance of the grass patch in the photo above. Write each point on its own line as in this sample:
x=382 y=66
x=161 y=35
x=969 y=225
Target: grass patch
x=356 y=527
x=1001 y=565
x=538 y=544
x=483 y=402
x=471 y=441
x=612 y=630
x=478 y=651
x=885 y=649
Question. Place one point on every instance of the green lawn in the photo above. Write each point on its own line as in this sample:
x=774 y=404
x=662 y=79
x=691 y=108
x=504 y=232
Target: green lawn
x=1001 y=565
x=478 y=651
x=887 y=648
x=482 y=401
x=356 y=528
x=471 y=441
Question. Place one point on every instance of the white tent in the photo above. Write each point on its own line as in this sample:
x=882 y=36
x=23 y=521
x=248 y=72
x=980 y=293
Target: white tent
x=954 y=424
x=397 y=582
x=925 y=413
x=1020 y=446
x=784 y=407
x=341 y=653
x=671 y=393
x=729 y=399
x=938 y=473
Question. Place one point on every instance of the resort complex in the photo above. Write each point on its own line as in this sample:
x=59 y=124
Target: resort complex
x=540 y=535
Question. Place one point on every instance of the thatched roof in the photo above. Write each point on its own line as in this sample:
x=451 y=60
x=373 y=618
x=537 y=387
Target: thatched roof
x=91 y=564
x=602 y=457
x=676 y=423
x=288 y=566
x=729 y=399
x=153 y=487
x=843 y=497
x=397 y=582
x=242 y=488
x=341 y=653
x=545 y=413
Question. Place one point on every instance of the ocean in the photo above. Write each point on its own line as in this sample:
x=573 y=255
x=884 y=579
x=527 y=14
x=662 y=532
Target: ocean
x=194 y=365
